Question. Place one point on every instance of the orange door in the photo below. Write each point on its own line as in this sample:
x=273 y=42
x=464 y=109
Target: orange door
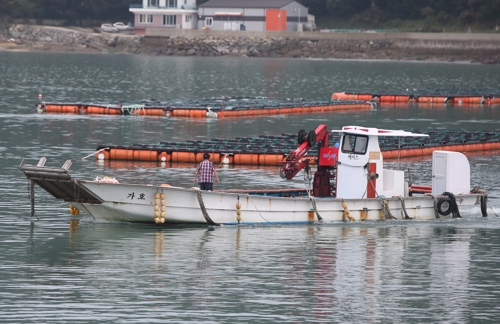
x=275 y=19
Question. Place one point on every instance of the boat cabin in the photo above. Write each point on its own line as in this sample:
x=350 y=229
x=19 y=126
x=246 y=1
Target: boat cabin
x=361 y=172
x=360 y=165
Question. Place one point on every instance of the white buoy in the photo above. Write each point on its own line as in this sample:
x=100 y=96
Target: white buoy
x=211 y=114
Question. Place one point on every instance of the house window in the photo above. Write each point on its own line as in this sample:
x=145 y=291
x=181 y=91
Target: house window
x=153 y=3
x=169 y=20
x=146 y=19
x=188 y=18
x=171 y=3
x=209 y=21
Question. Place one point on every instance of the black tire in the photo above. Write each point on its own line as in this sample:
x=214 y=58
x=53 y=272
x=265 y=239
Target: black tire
x=445 y=206
x=312 y=138
x=484 y=206
x=301 y=137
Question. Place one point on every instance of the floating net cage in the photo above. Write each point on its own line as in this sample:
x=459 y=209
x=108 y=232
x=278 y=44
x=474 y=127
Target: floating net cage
x=416 y=92
x=287 y=143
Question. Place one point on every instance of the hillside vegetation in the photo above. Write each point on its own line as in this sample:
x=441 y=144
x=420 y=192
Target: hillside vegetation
x=408 y=15
x=403 y=15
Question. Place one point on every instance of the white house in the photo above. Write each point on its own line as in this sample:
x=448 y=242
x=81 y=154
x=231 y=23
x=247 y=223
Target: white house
x=165 y=13
x=251 y=15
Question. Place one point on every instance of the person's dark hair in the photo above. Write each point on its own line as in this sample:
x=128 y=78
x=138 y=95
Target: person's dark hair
x=206 y=156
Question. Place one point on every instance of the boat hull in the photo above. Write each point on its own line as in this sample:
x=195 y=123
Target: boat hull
x=139 y=203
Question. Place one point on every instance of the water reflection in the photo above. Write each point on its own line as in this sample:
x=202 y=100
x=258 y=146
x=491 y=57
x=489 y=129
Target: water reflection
x=366 y=272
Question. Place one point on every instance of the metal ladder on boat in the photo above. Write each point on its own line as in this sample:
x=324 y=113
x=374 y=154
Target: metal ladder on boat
x=57 y=182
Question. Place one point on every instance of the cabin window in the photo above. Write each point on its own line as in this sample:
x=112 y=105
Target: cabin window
x=355 y=144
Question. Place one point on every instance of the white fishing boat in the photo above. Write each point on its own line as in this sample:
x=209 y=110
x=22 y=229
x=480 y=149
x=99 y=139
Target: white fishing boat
x=350 y=184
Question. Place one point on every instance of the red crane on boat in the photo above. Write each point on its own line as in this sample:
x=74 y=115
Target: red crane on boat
x=327 y=158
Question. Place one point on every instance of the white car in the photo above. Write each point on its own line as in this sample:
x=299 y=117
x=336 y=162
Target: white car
x=121 y=26
x=108 y=28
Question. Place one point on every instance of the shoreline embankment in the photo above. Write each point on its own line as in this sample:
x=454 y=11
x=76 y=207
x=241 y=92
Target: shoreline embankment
x=436 y=47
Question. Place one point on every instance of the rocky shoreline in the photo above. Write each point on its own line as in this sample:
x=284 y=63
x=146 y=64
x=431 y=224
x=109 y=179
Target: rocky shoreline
x=56 y=39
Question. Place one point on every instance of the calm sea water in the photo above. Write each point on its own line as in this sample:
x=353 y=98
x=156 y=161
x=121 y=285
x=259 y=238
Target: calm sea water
x=60 y=268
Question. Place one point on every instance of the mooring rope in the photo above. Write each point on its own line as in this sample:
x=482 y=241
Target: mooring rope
x=386 y=210
x=436 y=214
x=203 y=209
x=313 y=201
x=404 y=214
x=307 y=181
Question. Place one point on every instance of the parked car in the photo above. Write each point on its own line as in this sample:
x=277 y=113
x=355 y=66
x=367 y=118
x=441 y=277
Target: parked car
x=121 y=26
x=108 y=28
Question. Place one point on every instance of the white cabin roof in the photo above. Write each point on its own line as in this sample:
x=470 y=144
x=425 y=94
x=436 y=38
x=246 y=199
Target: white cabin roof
x=358 y=130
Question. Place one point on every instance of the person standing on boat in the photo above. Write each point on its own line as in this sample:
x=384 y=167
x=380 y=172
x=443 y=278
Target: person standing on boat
x=205 y=173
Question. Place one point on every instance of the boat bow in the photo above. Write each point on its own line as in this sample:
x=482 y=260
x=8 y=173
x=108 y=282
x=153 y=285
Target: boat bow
x=58 y=182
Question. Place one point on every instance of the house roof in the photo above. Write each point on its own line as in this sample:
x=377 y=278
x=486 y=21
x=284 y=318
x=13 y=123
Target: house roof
x=246 y=3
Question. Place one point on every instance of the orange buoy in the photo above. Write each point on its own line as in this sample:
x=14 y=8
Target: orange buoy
x=476 y=100
x=145 y=155
x=246 y=158
x=183 y=157
x=114 y=111
x=270 y=159
x=339 y=96
x=461 y=100
x=180 y=112
x=385 y=98
x=365 y=97
x=155 y=112
x=118 y=154
x=164 y=157
x=401 y=98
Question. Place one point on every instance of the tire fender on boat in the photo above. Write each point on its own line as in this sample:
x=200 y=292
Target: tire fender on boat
x=448 y=205
x=445 y=206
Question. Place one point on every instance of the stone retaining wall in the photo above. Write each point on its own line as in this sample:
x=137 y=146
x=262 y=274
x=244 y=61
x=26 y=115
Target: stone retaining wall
x=484 y=48
x=86 y=37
